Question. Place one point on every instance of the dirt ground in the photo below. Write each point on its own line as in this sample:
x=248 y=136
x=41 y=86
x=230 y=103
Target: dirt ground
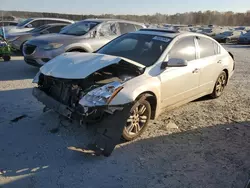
x=204 y=144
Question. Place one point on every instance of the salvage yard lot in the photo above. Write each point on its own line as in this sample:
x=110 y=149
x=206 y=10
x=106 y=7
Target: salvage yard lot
x=205 y=143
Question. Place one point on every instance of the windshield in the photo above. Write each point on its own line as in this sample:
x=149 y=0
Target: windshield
x=38 y=29
x=24 y=22
x=227 y=33
x=79 y=28
x=142 y=48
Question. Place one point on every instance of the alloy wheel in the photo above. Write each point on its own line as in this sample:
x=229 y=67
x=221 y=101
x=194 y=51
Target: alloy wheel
x=220 y=85
x=137 y=120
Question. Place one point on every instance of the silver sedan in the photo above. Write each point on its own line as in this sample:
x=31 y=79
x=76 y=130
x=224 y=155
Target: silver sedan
x=134 y=78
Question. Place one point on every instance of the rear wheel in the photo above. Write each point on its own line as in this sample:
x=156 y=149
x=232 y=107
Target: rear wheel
x=219 y=85
x=227 y=40
x=6 y=57
x=138 y=120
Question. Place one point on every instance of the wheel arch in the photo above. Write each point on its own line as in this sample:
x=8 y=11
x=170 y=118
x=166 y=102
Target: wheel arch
x=227 y=73
x=152 y=99
x=79 y=49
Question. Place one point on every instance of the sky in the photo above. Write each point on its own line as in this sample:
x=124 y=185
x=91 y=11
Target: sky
x=124 y=6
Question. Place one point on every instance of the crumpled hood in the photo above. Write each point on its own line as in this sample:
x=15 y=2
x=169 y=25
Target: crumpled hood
x=76 y=65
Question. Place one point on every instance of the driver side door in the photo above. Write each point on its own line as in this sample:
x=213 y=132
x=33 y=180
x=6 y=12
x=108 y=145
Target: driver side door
x=180 y=84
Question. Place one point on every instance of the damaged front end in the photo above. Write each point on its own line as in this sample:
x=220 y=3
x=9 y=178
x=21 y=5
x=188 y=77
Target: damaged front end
x=88 y=101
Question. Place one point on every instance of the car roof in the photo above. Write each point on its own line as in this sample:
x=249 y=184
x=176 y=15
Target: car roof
x=168 y=33
x=56 y=24
x=111 y=19
x=59 y=19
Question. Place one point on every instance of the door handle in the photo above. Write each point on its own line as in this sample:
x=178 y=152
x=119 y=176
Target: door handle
x=219 y=61
x=196 y=70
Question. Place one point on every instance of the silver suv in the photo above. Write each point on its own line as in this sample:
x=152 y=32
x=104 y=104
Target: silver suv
x=84 y=36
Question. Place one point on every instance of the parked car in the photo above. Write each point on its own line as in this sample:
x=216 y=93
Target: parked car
x=211 y=31
x=229 y=36
x=18 y=39
x=32 y=23
x=244 y=39
x=133 y=79
x=8 y=23
x=84 y=36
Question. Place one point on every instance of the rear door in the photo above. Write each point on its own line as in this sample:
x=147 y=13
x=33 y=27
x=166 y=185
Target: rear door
x=211 y=62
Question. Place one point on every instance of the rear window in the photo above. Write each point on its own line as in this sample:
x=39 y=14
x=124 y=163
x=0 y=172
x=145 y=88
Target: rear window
x=126 y=28
x=206 y=47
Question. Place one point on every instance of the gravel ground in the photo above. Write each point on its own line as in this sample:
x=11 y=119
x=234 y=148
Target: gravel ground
x=205 y=143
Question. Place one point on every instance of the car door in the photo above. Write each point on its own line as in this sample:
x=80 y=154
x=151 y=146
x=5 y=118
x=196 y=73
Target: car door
x=181 y=83
x=106 y=32
x=211 y=62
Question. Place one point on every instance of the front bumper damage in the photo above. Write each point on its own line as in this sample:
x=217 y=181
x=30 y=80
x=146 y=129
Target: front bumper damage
x=108 y=130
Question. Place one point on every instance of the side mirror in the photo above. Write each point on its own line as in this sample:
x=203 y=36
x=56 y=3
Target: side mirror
x=174 y=62
x=29 y=26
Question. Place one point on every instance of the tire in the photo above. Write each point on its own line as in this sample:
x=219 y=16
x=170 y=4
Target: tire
x=227 y=40
x=220 y=85
x=6 y=57
x=137 y=120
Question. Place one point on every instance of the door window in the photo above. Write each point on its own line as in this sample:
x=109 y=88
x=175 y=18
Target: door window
x=55 y=29
x=138 y=27
x=108 y=29
x=184 y=49
x=37 y=23
x=126 y=28
x=207 y=47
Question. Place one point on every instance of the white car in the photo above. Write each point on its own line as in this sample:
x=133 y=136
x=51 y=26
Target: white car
x=133 y=79
x=32 y=23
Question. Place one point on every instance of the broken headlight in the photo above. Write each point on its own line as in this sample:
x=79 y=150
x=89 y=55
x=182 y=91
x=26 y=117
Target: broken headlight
x=102 y=95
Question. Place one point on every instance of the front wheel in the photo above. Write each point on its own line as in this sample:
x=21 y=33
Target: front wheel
x=138 y=120
x=6 y=57
x=220 y=85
